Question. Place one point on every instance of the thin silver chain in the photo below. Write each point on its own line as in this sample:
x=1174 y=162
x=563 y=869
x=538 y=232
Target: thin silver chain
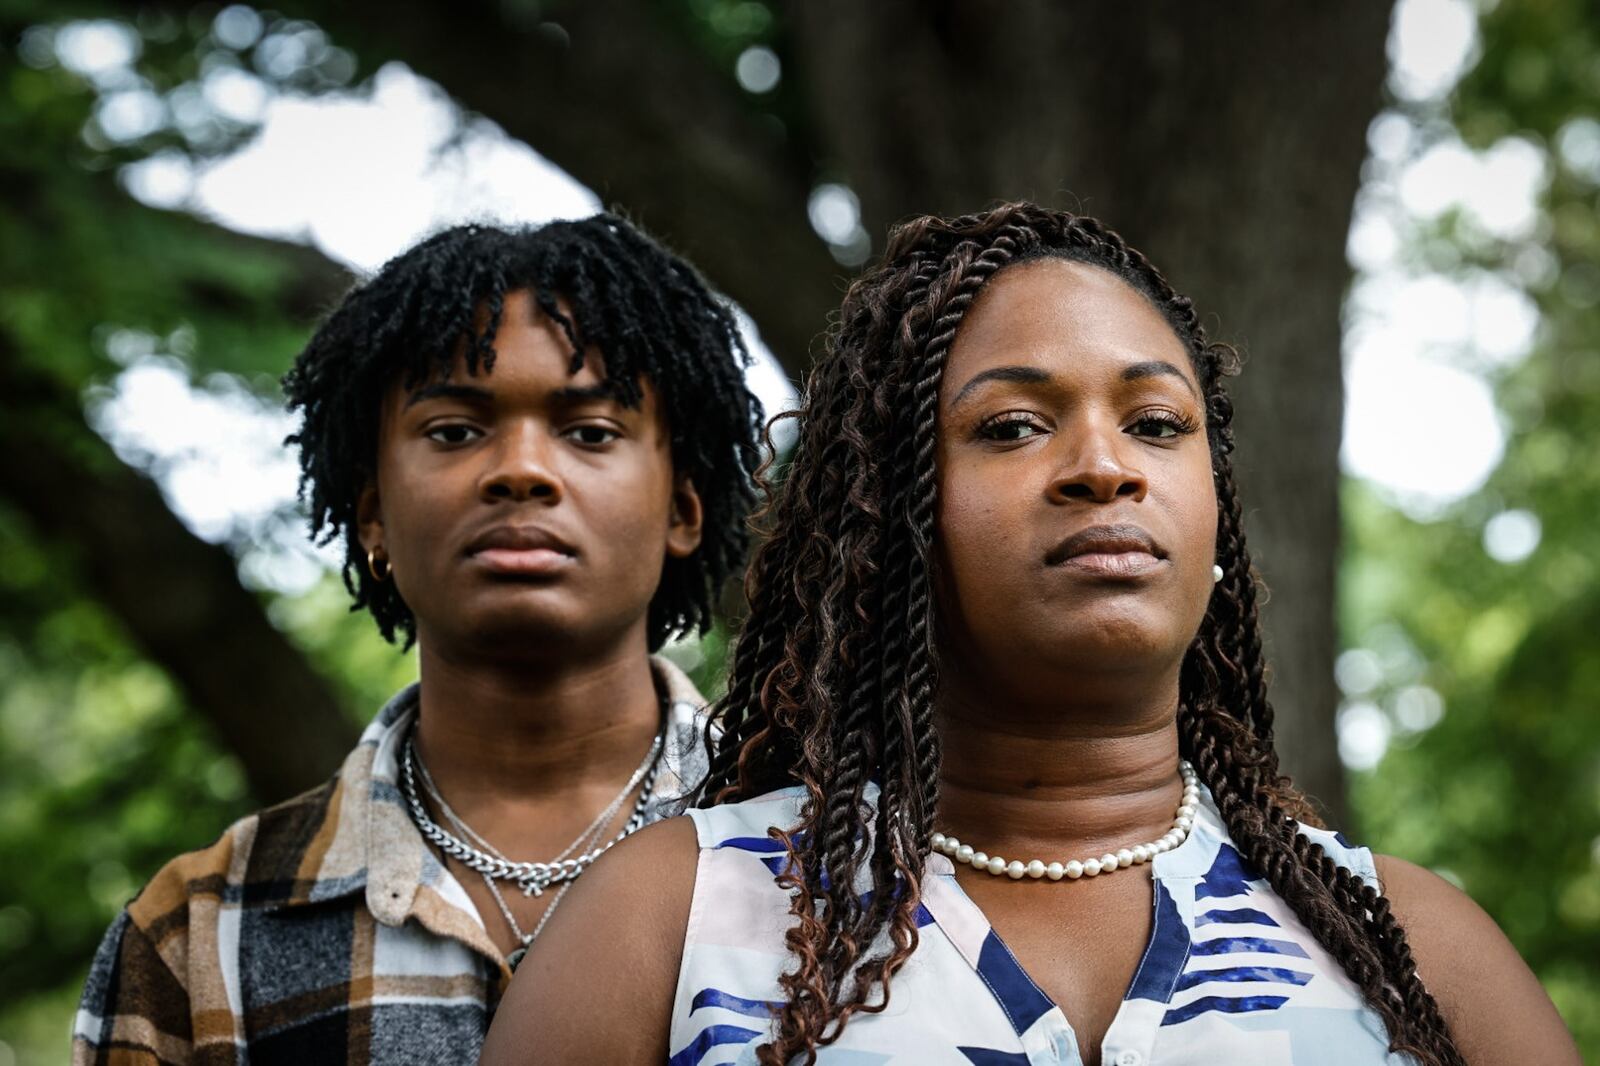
x=593 y=829
x=587 y=838
x=524 y=940
x=532 y=877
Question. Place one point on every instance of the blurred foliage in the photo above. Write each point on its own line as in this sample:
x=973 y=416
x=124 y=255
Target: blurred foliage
x=105 y=773
x=1503 y=793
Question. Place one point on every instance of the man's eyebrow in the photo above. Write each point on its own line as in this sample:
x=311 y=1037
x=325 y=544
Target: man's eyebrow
x=477 y=394
x=1152 y=368
x=1027 y=375
x=448 y=391
x=583 y=393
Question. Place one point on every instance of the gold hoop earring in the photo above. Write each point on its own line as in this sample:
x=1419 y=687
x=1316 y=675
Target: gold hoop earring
x=374 y=560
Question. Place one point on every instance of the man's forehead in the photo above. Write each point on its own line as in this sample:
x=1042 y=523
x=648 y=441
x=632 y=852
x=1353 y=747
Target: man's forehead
x=485 y=369
x=459 y=380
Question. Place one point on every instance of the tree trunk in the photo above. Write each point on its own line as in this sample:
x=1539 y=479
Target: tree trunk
x=178 y=597
x=615 y=93
x=1225 y=143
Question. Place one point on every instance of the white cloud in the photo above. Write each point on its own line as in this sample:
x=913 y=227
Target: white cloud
x=1431 y=42
x=1427 y=431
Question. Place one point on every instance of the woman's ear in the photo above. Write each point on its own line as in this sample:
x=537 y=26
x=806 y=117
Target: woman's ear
x=686 y=522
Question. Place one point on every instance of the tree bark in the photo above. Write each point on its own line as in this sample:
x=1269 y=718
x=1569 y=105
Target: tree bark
x=615 y=93
x=1227 y=145
x=178 y=597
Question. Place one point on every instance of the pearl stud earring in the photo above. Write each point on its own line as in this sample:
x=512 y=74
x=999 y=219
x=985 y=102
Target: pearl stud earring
x=1216 y=573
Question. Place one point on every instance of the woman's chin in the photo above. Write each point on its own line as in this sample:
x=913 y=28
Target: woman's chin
x=1101 y=641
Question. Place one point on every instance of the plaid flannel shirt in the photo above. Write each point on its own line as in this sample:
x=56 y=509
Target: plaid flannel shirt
x=322 y=930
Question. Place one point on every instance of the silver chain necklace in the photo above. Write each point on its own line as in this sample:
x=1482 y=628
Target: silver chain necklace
x=532 y=877
x=524 y=940
x=588 y=838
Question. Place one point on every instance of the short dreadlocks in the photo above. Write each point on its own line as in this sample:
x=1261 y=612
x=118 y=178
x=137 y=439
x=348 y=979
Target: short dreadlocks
x=648 y=312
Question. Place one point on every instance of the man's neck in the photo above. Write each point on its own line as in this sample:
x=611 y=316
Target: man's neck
x=496 y=734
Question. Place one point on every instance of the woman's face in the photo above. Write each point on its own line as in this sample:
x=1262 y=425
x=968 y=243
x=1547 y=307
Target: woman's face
x=1077 y=509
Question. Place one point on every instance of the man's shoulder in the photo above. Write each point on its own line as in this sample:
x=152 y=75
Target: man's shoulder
x=264 y=848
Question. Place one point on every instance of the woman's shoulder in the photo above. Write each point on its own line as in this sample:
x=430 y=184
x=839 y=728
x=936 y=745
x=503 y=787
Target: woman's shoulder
x=746 y=824
x=628 y=918
x=1493 y=1003
x=623 y=923
x=1353 y=857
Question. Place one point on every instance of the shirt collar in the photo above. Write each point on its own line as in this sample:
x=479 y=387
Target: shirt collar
x=369 y=844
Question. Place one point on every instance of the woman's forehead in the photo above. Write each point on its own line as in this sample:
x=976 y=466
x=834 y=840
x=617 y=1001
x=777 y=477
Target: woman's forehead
x=1055 y=310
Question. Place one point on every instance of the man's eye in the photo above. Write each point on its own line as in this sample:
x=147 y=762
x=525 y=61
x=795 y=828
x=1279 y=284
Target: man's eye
x=452 y=434
x=593 y=436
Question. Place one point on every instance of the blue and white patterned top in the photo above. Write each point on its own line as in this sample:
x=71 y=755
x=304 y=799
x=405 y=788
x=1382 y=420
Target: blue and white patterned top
x=1230 y=974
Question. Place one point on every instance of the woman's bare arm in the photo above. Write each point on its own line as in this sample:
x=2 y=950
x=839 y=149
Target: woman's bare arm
x=598 y=984
x=1497 y=1011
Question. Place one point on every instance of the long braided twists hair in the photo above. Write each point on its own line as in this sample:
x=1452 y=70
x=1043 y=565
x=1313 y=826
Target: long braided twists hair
x=832 y=682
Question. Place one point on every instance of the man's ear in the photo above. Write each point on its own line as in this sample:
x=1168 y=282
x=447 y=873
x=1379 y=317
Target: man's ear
x=687 y=521
x=369 y=518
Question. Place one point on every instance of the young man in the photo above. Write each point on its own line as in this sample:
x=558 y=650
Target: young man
x=537 y=446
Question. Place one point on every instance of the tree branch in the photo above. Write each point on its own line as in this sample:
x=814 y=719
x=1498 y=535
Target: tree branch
x=178 y=596
x=625 y=104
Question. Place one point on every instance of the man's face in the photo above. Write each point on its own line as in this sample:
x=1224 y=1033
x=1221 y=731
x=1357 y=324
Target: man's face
x=525 y=509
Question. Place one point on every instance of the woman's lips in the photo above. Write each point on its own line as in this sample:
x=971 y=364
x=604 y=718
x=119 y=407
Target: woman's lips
x=526 y=562
x=1122 y=564
x=1121 y=551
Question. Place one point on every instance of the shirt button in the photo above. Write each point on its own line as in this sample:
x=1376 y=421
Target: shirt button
x=1129 y=1058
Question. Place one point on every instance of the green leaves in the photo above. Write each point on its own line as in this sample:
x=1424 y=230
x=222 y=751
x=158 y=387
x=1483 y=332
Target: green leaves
x=1504 y=792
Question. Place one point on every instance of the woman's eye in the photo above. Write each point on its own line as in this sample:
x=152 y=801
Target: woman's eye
x=1155 y=427
x=1009 y=430
x=593 y=436
x=1159 y=426
x=455 y=433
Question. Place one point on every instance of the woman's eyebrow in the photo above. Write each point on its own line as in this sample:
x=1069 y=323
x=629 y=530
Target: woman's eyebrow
x=1028 y=375
x=1152 y=368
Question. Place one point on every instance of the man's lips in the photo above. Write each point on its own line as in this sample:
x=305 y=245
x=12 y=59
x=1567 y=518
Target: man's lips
x=521 y=550
x=1109 y=551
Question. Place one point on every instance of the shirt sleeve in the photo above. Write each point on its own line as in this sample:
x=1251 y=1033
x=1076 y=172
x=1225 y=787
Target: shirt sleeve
x=134 y=1010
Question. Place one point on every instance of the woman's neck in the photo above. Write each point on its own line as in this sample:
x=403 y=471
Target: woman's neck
x=1057 y=780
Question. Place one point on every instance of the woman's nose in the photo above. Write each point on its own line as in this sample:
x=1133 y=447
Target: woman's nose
x=1097 y=470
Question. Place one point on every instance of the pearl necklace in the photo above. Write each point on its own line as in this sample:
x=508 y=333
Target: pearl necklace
x=1076 y=868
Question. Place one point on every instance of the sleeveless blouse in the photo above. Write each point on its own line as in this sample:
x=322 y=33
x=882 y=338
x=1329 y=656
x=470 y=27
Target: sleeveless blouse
x=1229 y=976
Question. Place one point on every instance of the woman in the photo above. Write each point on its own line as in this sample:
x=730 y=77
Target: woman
x=1006 y=600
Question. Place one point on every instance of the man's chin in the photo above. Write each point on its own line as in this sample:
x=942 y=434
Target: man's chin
x=534 y=631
